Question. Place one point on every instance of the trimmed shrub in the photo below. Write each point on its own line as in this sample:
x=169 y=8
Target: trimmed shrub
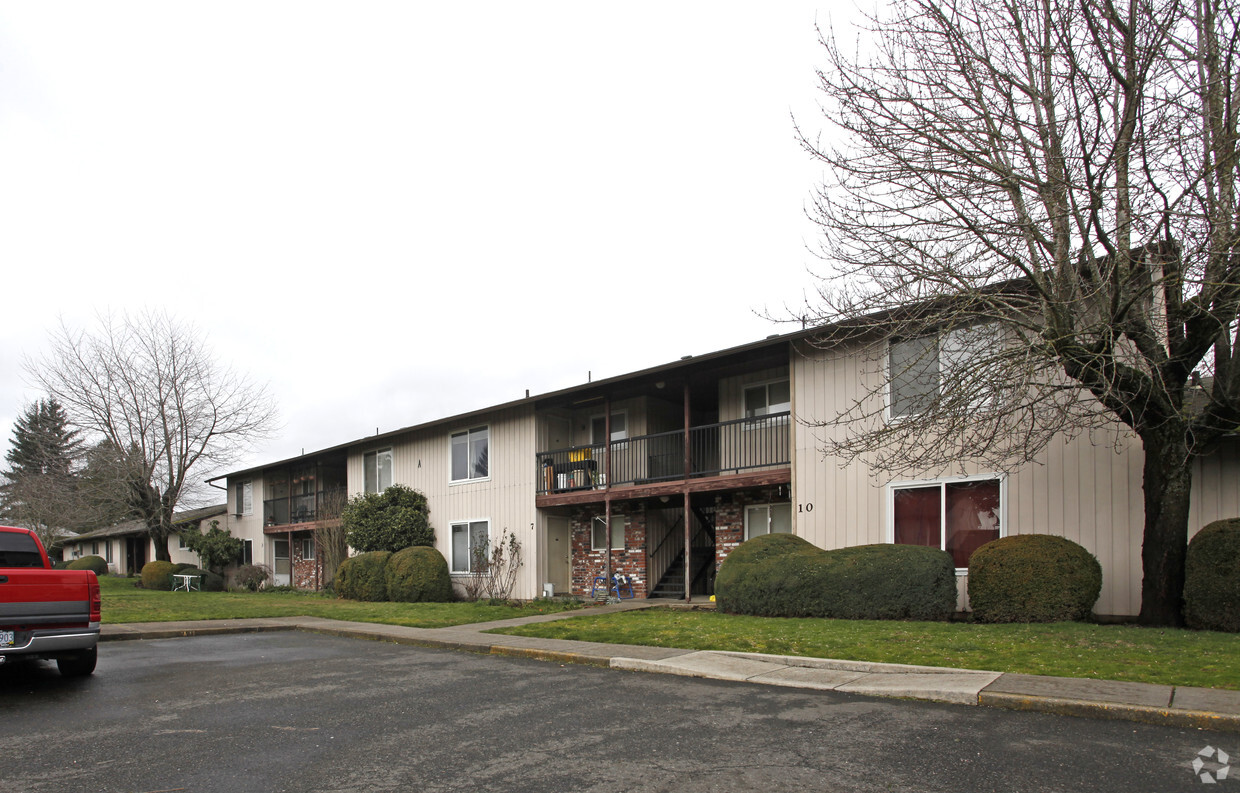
x=252 y=576
x=157 y=575
x=1033 y=578
x=361 y=577
x=1212 y=577
x=96 y=563
x=63 y=564
x=182 y=566
x=388 y=521
x=418 y=574
x=782 y=575
x=209 y=581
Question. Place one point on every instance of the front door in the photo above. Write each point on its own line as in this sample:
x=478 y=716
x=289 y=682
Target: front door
x=282 y=568
x=559 y=554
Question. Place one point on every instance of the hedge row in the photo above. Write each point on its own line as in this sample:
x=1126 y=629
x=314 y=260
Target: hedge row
x=782 y=575
x=158 y=575
x=96 y=563
x=417 y=574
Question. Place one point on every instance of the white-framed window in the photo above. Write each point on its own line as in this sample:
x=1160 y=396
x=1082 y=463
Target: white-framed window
x=107 y=551
x=94 y=548
x=599 y=533
x=955 y=515
x=181 y=541
x=917 y=369
x=247 y=552
x=469 y=539
x=471 y=454
x=307 y=549
x=764 y=399
x=768 y=519
x=244 y=498
x=619 y=427
x=377 y=470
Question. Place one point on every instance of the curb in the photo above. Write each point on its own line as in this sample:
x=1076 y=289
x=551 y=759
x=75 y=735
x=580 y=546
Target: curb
x=179 y=633
x=1163 y=717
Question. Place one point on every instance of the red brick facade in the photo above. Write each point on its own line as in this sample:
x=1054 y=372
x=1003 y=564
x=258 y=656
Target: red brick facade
x=630 y=561
x=730 y=516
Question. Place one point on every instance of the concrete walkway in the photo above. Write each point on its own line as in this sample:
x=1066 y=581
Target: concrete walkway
x=1206 y=708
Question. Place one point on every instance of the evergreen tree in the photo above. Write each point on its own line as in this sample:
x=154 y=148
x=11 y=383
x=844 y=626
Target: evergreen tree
x=43 y=442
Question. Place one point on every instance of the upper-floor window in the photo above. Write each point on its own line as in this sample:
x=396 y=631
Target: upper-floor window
x=471 y=454
x=957 y=516
x=918 y=369
x=377 y=470
x=619 y=428
x=768 y=398
x=244 y=498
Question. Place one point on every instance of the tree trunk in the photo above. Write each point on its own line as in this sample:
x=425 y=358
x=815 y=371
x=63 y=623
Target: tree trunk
x=160 y=540
x=1168 y=481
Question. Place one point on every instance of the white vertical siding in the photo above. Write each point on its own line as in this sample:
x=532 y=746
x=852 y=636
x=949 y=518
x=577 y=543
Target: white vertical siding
x=1086 y=488
x=422 y=459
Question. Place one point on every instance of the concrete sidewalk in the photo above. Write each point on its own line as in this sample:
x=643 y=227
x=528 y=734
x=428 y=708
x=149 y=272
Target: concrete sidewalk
x=1206 y=708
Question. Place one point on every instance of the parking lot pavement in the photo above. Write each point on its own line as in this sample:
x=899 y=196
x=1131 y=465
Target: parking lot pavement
x=294 y=711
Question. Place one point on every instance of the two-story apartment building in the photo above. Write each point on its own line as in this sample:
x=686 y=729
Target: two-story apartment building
x=659 y=473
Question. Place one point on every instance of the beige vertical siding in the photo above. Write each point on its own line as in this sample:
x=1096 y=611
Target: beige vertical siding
x=249 y=527
x=422 y=461
x=1086 y=488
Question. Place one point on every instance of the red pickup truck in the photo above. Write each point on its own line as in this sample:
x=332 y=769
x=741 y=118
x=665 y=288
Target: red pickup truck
x=46 y=613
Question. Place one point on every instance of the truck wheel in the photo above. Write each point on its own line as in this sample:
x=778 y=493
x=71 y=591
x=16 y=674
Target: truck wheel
x=79 y=664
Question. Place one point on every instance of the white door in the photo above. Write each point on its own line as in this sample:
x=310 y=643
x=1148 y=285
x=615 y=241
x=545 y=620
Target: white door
x=282 y=568
x=559 y=554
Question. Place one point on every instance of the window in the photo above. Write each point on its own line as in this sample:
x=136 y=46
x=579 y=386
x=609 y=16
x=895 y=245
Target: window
x=768 y=398
x=18 y=549
x=247 y=552
x=181 y=542
x=471 y=454
x=957 y=516
x=598 y=533
x=107 y=551
x=469 y=540
x=307 y=549
x=244 y=498
x=768 y=519
x=619 y=428
x=917 y=368
x=377 y=470
x=94 y=549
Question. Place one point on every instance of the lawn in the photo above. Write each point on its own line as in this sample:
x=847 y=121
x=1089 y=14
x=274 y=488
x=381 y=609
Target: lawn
x=1111 y=652
x=122 y=602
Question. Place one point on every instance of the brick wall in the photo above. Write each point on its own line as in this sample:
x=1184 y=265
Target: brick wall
x=303 y=569
x=730 y=517
x=630 y=561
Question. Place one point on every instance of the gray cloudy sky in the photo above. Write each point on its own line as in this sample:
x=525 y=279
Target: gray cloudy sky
x=392 y=212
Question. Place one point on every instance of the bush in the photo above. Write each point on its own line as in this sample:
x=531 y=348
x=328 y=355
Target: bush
x=361 y=577
x=63 y=564
x=180 y=566
x=389 y=521
x=208 y=581
x=252 y=576
x=216 y=548
x=1033 y=578
x=782 y=575
x=418 y=574
x=157 y=575
x=1212 y=577
x=96 y=563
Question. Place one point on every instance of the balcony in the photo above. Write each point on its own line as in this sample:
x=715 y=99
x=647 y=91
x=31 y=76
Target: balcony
x=304 y=508
x=727 y=449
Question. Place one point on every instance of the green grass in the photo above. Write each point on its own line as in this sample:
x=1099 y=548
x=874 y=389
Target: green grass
x=122 y=602
x=1065 y=649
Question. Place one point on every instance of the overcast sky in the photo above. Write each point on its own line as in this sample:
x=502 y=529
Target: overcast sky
x=393 y=212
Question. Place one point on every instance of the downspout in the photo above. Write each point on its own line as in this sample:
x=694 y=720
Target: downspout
x=607 y=495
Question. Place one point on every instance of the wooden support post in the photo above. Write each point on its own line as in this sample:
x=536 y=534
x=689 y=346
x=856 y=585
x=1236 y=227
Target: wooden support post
x=688 y=512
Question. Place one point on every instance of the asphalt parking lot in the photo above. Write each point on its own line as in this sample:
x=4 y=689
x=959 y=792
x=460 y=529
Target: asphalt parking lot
x=292 y=711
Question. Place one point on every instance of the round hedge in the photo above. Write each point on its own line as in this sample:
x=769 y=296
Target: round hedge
x=782 y=575
x=157 y=575
x=361 y=577
x=207 y=581
x=1212 y=577
x=418 y=574
x=1033 y=578
x=182 y=566
x=95 y=563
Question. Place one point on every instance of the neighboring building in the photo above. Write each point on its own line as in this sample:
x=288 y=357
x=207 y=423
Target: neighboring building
x=127 y=546
x=686 y=461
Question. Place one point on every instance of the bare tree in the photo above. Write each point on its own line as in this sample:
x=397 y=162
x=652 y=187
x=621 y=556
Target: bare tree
x=148 y=388
x=330 y=534
x=1033 y=216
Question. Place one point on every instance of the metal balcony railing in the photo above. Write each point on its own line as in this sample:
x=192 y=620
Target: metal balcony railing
x=713 y=449
x=303 y=508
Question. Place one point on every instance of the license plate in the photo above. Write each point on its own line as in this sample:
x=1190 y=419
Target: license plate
x=6 y=638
